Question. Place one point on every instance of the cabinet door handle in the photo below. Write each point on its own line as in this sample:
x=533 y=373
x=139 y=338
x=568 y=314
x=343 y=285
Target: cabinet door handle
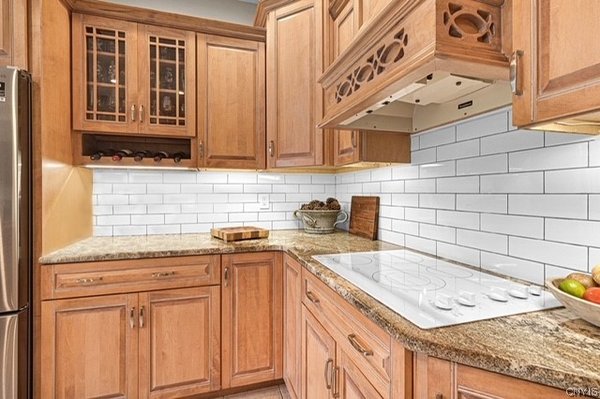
x=89 y=280
x=132 y=317
x=312 y=297
x=516 y=76
x=141 y=318
x=133 y=112
x=335 y=392
x=353 y=139
x=328 y=373
x=271 y=148
x=201 y=149
x=163 y=274
x=141 y=114
x=226 y=276
x=356 y=345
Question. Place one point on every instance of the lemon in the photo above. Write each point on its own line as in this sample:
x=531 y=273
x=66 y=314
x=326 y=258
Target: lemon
x=572 y=287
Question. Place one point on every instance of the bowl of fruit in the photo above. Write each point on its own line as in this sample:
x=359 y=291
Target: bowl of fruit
x=580 y=293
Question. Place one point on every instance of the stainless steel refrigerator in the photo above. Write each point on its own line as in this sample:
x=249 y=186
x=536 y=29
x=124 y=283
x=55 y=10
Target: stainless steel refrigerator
x=15 y=233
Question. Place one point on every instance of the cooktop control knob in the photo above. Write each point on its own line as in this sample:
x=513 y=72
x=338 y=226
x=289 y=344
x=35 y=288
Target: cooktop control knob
x=497 y=296
x=466 y=298
x=535 y=290
x=518 y=293
x=443 y=302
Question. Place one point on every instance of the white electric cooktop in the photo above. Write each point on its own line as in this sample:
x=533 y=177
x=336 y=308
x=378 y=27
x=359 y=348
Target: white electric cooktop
x=434 y=293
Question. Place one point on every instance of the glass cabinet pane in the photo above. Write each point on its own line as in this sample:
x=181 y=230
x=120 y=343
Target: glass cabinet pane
x=167 y=81
x=106 y=94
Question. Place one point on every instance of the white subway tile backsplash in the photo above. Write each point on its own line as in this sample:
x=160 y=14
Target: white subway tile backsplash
x=511 y=141
x=463 y=149
x=513 y=183
x=494 y=203
x=466 y=220
x=513 y=225
x=561 y=157
x=482 y=165
x=482 y=126
x=565 y=206
x=438 y=201
x=580 y=232
x=436 y=138
x=573 y=181
x=553 y=253
x=467 y=184
x=538 y=217
x=487 y=241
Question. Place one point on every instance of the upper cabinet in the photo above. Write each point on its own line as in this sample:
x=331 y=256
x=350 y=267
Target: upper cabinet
x=132 y=78
x=294 y=98
x=556 y=65
x=231 y=102
x=13 y=33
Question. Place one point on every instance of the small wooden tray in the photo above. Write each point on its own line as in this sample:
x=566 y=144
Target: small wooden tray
x=239 y=233
x=364 y=216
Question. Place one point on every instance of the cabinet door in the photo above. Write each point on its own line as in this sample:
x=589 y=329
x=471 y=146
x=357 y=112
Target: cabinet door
x=231 y=102
x=104 y=75
x=292 y=325
x=560 y=64
x=352 y=384
x=252 y=318
x=294 y=97
x=370 y=8
x=345 y=147
x=179 y=342
x=89 y=348
x=433 y=378
x=167 y=75
x=13 y=33
x=318 y=359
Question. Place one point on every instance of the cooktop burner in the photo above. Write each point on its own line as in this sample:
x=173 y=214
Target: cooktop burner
x=434 y=293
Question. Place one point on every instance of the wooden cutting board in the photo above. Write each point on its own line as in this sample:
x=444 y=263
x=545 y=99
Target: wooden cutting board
x=364 y=216
x=239 y=233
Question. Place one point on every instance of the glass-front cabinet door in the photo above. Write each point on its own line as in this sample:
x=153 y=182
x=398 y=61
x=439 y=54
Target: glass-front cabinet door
x=167 y=81
x=104 y=75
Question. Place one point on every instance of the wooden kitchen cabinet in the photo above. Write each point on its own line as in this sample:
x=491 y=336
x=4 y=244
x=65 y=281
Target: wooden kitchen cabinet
x=318 y=359
x=231 y=103
x=13 y=33
x=556 y=64
x=89 y=348
x=292 y=326
x=133 y=78
x=179 y=342
x=294 y=97
x=251 y=318
x=118 y=340
x=352 y=384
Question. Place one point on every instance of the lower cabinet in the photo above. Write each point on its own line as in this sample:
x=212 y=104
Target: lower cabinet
x=318 y=359
x=252 y=325
x=292 y=326
x=131 y=345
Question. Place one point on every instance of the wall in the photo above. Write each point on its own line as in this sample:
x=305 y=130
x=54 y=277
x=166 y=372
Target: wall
x=522 y=203
x=156 y=202
x=223 y=10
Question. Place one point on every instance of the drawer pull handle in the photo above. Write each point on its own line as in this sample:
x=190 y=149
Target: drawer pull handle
x=163 y=274
x=89 y=280
x=132 y=317
x=312 y=297
x=354 y=342
x=334 y=391
x=328 y=373
x=141 y=317
x=226 y=276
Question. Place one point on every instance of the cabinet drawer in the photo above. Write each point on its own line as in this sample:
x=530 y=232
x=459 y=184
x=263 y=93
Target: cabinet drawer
x=364 y=342
x=97 y=278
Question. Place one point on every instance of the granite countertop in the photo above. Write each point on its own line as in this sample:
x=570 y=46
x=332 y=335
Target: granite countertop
x=551 y=347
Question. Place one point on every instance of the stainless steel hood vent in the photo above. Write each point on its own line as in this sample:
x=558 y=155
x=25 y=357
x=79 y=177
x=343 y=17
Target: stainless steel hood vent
x=450 y=64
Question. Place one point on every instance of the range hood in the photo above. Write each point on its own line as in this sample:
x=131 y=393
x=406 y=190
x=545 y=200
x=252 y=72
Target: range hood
x=421 y=64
